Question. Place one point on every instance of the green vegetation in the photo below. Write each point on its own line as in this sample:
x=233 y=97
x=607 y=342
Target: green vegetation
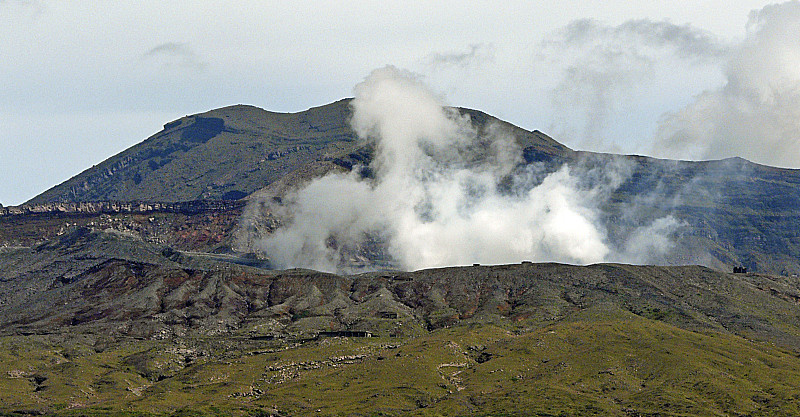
x=599 y=361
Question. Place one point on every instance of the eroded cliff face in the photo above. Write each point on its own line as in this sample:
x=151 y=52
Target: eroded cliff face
x=193 y=225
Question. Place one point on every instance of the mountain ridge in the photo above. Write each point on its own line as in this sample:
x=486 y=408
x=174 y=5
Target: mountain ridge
x=249 y=148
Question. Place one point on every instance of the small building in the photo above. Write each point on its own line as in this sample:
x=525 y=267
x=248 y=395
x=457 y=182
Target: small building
x=345 y=333
x=739 y=270
x=387 y=314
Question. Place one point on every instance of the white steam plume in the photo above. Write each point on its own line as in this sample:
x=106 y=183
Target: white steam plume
x=756 y=114
x=435 y=199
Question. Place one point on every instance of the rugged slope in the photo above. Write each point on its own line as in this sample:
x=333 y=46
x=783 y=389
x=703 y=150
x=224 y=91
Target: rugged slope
x=202 y=226
x=129 y=313
x=221 y=154
x=109 y=278
x=727 y=213
x=733 y=212
x=617 y=365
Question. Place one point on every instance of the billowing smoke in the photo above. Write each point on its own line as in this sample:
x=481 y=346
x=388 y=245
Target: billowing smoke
x=756 y=114
x=478 y=53
x=602 y=68
x=441 y=194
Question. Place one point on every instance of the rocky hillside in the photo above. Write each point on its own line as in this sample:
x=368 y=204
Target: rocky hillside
x=733 y=212
x=204 y=225
x=108 y=279
x=221 y=154
x=728 y=213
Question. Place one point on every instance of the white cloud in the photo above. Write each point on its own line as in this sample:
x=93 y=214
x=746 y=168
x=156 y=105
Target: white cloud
x=172 y=53
x=603 y=66
x=478 y=54
x=756 y=114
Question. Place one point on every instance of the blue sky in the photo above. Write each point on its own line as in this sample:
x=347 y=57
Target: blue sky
x=82 y=81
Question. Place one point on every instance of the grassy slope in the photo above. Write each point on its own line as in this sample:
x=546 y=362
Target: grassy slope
x=600 y=361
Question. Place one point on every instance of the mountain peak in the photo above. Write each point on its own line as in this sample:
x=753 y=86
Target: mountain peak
x=232 y=151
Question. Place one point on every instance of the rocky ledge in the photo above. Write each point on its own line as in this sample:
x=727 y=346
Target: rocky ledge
x=113 y=207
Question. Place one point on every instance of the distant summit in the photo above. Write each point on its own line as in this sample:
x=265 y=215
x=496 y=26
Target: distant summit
x=228 y=153
x=225 y=153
